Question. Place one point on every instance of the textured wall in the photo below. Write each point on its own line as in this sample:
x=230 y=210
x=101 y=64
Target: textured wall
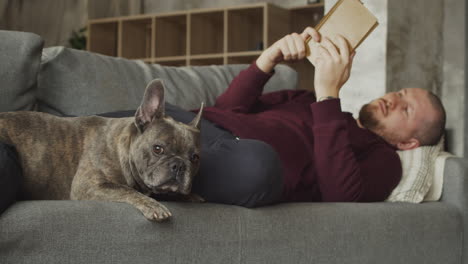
x=454 y=71
x=55 y=20
x=414 y=57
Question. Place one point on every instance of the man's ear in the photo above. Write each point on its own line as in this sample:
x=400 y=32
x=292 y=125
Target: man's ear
x=411 y=143
x=152 y=105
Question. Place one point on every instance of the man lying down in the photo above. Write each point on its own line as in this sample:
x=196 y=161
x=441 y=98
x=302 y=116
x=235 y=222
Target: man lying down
x=294 y=145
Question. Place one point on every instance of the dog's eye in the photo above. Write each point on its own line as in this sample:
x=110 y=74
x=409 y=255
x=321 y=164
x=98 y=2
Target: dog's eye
x=158 y=149
x=194 y=158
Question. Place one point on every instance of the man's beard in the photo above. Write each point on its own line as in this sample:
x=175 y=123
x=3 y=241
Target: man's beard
x=367 y=118
x=369 y=121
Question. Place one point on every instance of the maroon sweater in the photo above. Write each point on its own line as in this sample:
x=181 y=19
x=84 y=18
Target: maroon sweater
x=325 y=155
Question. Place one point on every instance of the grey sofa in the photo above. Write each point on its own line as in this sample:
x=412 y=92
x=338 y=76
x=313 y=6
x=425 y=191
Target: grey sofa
x=64 y=81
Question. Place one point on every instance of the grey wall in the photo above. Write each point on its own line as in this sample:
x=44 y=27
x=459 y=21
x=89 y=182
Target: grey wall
x=454 y=71
x=55 y=20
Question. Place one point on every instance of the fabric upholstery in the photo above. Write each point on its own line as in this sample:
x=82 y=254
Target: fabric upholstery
x=455 y=191
x=75 y=82
x=420 y=173
x=328 y=233
x=20 y=56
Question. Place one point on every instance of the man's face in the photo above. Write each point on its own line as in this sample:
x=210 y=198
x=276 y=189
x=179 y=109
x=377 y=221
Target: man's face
x=397 y=116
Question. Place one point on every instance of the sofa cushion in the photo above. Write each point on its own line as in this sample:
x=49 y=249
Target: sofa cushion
x=106 y=232
x=20 y=54
x=76 y=82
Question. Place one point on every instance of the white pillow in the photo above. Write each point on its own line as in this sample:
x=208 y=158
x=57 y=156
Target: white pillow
x=422 y=175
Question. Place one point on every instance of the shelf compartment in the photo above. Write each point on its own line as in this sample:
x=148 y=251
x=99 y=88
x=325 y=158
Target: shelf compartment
x=137 y=38
x=171 y=35
x=103 y=38
x=207 y=32
x=245 y=29
x=278 y=24
x=306 y=16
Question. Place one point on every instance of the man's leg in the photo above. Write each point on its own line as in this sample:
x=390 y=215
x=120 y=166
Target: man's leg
x=241 y=172
x=10 y=176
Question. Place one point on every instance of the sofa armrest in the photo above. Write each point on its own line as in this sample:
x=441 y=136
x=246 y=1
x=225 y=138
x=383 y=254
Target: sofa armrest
x=20 y=56
x=455 y=193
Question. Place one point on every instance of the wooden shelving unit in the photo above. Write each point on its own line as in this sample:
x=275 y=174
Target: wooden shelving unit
x=205 y=36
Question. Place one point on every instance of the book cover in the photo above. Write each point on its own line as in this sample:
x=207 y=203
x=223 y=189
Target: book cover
x=349 y=18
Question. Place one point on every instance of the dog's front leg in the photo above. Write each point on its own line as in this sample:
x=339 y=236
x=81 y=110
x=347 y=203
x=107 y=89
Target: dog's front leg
x=88 y=189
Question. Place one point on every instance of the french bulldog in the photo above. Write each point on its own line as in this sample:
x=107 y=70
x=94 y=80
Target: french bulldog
x=110 y=159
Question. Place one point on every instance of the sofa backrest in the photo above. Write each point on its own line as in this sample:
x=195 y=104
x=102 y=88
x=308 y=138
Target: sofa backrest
x=73 y=82
x=20 y=56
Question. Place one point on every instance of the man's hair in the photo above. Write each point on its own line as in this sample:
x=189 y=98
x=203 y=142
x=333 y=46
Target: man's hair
x=433 y=130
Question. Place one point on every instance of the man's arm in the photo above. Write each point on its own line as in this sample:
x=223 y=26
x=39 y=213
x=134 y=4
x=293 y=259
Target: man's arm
x=247 y=87
x=341 y=174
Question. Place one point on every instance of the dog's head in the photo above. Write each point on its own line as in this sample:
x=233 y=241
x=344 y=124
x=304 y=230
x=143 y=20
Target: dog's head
x=165 y=155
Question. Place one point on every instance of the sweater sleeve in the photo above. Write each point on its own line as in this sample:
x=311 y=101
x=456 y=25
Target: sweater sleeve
x=244 y=90
x=341 y=175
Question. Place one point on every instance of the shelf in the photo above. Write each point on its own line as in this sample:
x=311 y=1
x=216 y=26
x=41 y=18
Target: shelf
x=207 y=32
x=103 y=38
x=137 y=38
x=207 y=56
x=171 y=61
x=211 y=36
x=207 y=61
x=171 y=35
x=245 y=53
x=245 y=29
x=305 y=16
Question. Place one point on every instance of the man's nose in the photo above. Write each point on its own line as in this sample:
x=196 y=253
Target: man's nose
x=393 y=101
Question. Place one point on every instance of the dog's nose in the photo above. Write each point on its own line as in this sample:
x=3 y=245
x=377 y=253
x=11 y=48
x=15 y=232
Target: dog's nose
x=178 y=168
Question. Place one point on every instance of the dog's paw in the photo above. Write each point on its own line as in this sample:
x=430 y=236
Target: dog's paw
x=155 y=211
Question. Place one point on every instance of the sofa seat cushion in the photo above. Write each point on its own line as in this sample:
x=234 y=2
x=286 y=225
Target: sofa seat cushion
x=107 y=232
x=76 y=82
x=20 y=54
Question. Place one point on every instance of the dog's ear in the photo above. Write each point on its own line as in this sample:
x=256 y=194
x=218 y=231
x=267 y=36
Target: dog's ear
x=196 y=121
x=152 y=105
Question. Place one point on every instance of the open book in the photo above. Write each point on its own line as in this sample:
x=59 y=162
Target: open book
x=349 y=18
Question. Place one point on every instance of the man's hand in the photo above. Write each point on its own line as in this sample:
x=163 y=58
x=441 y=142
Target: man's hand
x=292 y=47
x=333 y=64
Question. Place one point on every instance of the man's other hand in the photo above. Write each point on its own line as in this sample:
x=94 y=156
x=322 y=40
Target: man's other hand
x=333 y=63
x=291 y=47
